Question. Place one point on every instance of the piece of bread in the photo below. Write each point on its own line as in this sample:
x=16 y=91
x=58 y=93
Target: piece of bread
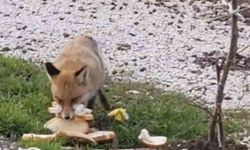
x=39 y=137
x=59 y=124
x=154 y=141
x=99 y=136
x=86 y=117
x=91 y=138
x=80 y=136
x=81 y=110
x=68 y=134
x=151 y=141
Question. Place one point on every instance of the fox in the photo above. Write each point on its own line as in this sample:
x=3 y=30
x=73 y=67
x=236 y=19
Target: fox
x=77 y=76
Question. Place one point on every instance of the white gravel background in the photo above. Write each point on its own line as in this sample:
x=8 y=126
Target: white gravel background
x=163 y=41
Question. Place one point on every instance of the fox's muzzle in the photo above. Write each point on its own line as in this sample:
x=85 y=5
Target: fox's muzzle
x=67 y=112
x=67 y=116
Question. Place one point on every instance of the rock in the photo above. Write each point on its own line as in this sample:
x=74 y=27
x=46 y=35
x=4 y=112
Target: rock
x=124 y=47
x=80 y=8
x=132 y=34
x=228 y=98
x=142 y=69
x=125 y=4
x=136 y=23
x=68 y=12
x=114 y=72
x=19 y=37
x=143 y=57
x=6 y=15
x=66 y=35
x=112 y=8
x=134 y=59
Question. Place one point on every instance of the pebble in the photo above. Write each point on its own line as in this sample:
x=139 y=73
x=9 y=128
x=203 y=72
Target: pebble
x=66 y=35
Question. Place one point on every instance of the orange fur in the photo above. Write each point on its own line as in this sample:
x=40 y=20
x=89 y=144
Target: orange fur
x=69 y=88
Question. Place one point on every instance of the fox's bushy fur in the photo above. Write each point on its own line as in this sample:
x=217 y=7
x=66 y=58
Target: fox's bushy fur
x=77 y=75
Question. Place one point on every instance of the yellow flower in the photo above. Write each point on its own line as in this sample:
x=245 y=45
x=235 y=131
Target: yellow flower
x=119 y=114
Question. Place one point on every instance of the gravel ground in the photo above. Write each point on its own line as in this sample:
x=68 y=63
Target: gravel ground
x=7 y=144
x=172 y=44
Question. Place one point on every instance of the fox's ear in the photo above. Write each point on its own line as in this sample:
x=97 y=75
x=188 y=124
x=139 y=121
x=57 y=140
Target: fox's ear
x=51 y=69
x=82 y=75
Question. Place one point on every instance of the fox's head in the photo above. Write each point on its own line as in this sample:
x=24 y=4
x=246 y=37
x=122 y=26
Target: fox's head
x=69 y=87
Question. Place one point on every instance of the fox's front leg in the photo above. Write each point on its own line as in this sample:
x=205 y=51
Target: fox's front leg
x=91 y=102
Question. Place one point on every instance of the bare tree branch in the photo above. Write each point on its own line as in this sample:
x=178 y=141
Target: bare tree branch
x=200 y=106
x=217 y=115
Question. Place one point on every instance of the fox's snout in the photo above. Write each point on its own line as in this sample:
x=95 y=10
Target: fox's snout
x=67 y=116
x=67 y=113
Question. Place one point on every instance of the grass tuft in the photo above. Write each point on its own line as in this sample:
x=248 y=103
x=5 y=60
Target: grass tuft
x=56 y=145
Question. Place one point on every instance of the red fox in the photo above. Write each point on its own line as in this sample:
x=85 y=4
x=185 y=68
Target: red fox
x=77 y=76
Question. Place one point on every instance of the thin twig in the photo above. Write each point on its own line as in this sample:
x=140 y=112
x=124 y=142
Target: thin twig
x=243 y=49
x=198 y=105
x=227 y=15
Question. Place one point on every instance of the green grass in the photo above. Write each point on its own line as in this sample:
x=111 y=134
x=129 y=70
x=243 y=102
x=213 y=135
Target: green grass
x=161 y=113
x=25 y=96
x=56 y=145
x=236 y=120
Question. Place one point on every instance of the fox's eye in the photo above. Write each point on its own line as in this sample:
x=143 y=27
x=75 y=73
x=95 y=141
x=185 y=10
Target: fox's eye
x=74 y=100
x=60 y=101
